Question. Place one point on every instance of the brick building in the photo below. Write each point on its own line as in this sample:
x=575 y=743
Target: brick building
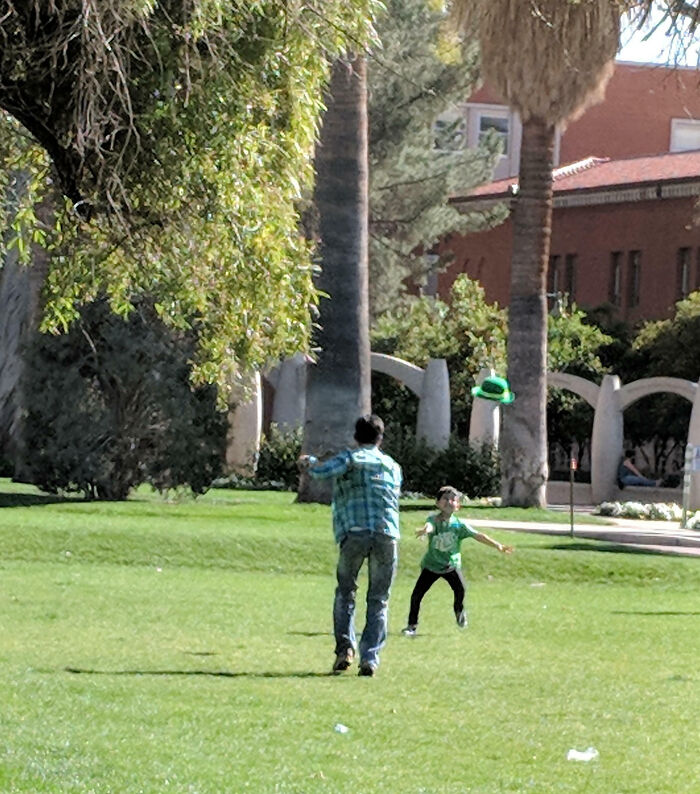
x=625 y=205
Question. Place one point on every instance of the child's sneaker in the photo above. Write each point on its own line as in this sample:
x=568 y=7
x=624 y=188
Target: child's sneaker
x=410 y=631
x=461 y=619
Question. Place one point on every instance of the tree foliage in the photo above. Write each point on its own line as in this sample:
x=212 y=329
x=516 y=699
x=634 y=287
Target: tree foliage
x=179 y=135
x=109 y=406
x=669 y=348
x=471 y=335
x=467 y=332
x=419 y=72
x=574 y=346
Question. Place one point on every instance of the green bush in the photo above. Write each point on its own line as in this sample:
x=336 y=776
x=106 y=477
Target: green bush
x=110 y=406
x=473 y=469
x=277 y=462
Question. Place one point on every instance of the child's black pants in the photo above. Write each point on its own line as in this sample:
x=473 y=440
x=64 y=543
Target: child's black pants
x=426 y=580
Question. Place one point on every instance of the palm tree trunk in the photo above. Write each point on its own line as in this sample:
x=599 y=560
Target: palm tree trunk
x=338 y=385
x=524 y=440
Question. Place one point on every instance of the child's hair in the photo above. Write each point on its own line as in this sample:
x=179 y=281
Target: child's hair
x=369 y=429
x=449 y=492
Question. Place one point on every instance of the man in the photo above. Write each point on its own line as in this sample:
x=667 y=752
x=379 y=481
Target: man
x=366 y=487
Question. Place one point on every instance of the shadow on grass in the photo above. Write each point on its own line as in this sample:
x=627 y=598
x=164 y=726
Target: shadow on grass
x=614 y=547
x=206 y=673
x=654 y=614
x=311 y=633
x=30 y=500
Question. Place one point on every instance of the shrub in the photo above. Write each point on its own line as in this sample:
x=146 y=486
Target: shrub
x=277 y=462
x=110 y=406
x=658 y=511
x=473 y=469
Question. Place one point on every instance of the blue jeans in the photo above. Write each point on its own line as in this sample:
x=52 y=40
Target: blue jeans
x=380 y=551
x=632 y=479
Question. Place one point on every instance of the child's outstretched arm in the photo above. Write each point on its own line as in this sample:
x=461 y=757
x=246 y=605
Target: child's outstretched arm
x=426 y=529
x=482 y=538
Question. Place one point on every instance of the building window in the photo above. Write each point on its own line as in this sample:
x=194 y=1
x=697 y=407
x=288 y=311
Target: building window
x=685 y=134
x=450 y=132
x=554 y=275
x=615 y=291
x=570 y=276
x=499 y=123
x=635 y=274
x=683 y=270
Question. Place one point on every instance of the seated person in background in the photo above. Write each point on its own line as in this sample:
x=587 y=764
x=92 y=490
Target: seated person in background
x=629 y=474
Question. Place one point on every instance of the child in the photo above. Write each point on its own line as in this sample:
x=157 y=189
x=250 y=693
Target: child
x=442 y=560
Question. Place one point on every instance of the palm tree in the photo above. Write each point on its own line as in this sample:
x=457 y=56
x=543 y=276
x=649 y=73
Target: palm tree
x=338 y=387
x=549 y=59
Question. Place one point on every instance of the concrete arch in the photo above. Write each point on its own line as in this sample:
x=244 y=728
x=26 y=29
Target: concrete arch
x=584 y=388
x=609 y=401
x=631 y=392
x=409 y=374
x=432 y=387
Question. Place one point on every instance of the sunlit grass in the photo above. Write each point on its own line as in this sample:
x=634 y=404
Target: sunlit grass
x=153 y=646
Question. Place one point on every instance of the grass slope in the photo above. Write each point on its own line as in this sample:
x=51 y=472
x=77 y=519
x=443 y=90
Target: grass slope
x=153 y=646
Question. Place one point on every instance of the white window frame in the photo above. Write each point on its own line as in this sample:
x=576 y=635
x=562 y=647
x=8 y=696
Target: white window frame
x=497 y=112
x=677 y=126
x=450 y=116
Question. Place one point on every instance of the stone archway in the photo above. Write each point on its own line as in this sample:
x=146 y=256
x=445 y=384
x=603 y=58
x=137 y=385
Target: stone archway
x=431 y=385
x=609 y=401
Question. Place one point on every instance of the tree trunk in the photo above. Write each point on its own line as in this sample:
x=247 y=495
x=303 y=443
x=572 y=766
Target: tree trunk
x=338 y=386
x=20 y=314
x=524 y=441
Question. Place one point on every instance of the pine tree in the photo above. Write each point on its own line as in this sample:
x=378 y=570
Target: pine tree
x=417 y=75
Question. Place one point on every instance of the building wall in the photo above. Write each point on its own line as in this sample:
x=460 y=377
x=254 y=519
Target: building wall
x=634 y=118
x=657 y=229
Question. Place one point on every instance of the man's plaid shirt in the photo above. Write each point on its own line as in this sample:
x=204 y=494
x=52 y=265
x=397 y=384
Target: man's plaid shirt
x=366 y=488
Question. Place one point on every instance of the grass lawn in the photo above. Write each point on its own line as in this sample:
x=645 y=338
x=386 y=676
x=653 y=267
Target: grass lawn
x=183 y=646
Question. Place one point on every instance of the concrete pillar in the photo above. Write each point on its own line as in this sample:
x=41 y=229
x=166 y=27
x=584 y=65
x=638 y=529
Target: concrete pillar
x=289 y=404
x=606 y=440
x=433 y=422
x=245 y=428
x=485 y=419
x=694 y=438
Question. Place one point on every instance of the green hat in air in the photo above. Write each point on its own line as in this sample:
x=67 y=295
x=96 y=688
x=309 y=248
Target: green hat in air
x=494 y=388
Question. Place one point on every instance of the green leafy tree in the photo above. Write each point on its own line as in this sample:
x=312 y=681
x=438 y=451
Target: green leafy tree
x=173 y=139
x=471 y=335
x=418 y=74
x=466 y=331
x=110 y=406
x=574 y=346
x=668 y=348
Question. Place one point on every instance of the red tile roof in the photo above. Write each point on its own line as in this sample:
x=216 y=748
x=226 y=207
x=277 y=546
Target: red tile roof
x=596 y=173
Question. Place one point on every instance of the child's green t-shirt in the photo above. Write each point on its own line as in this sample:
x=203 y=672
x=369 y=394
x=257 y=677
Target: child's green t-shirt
x=443 y=543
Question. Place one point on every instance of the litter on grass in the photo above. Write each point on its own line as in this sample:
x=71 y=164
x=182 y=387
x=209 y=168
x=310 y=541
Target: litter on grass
x=340 y=728
x=588 y=754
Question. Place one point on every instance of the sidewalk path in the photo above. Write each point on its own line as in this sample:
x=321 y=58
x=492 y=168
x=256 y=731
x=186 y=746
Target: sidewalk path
x=655 y=537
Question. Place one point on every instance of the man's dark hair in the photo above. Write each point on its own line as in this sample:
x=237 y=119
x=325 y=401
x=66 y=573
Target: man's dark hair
x=629 y=453
x=369 y=429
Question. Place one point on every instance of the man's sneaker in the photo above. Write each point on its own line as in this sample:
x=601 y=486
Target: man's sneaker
x=410 y=630
x=366 y=668
x=461 y=619
x=343 y=660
